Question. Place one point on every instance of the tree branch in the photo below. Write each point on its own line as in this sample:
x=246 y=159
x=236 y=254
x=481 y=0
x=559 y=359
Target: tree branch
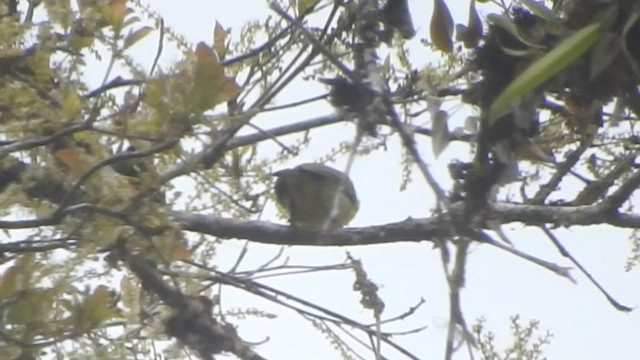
x=411 y=230
x=192 y=321
x=622 y=194
x=597 y=189
x=563 y=169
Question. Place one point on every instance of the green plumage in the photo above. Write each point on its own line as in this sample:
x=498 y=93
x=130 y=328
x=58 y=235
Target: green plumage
x=132 y=168
x=307 y=193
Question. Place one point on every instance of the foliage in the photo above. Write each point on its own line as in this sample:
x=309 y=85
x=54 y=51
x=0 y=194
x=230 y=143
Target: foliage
x=526 y=345
x=105 y=249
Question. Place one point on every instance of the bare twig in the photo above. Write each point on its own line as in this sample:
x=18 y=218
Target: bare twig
x=622 y=193
x=554 y=268
x=598 y=188
x=564 y=168
x=568 y=255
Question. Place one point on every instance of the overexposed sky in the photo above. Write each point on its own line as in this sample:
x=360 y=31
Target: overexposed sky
x=499 y=285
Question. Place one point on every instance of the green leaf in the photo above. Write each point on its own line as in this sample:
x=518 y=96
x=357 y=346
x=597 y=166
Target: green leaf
x=71 y=103
x=303 y=6
x=630 y=36
x=471 y=33
x=130 y=20
x=210 y=85
x=219 y=40
x=539 y=9
x=31 y=306
x=59 y=11
x=604 y=52
x=136 y=36
x=474 y=27
x=505 y=22
x=17 y=277
x=115 y=12
x=95 y=309
x=439 y=132
x=441 y=27
x=207 y=73
x=9 y=282
x=544 y=68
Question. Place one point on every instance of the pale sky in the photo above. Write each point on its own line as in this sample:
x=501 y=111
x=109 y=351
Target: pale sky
x=499 y=285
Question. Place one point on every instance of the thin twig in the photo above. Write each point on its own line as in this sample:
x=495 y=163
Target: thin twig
x=568 y=255
x=554 y=268
x=564 y=168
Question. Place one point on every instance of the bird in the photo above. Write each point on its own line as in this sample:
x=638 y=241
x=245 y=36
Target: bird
x=316 y=196
x=347 y=95
x=130 y=167
x=135 y=170
x=354 y=99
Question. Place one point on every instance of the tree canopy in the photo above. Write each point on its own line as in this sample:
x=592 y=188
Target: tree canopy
x=115 y=198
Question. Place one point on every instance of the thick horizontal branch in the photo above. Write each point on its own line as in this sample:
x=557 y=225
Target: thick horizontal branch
x=410 y=230
x=270 y=233
x=557 y=215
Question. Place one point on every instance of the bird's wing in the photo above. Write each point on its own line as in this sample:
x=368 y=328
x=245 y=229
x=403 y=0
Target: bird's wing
x=326 y=173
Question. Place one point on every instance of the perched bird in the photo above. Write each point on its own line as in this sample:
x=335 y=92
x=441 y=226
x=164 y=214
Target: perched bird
x=346 y=95
x=135 y=170
x=131 y=167
x=309 y=192
x=352 y=98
